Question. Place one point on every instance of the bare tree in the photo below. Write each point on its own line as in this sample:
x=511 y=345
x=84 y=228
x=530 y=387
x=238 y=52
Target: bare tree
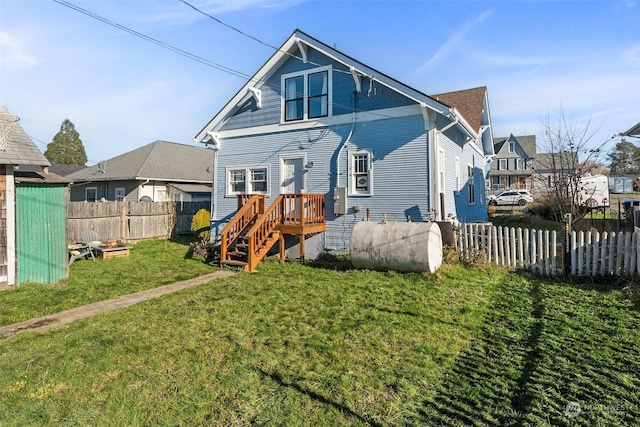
x=565 y=155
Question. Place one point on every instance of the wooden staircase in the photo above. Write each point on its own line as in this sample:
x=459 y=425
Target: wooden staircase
x=253 y=231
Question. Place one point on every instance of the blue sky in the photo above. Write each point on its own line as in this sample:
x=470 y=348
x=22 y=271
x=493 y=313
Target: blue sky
x=537 y=59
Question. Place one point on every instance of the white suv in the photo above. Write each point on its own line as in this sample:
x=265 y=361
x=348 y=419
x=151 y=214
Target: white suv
x=511 y=197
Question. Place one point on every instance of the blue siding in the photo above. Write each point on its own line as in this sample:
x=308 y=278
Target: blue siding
x=248 y=115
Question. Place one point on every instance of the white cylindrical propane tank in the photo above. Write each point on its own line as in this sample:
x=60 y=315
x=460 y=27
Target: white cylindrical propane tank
x=400 y=246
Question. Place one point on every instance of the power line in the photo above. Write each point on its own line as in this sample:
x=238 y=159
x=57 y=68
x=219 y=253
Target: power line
x=220 y=67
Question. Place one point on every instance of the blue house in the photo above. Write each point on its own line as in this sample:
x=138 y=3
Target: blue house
x=315 y=141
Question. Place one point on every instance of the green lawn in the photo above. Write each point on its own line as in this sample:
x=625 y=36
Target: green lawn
x=152 y=263
x=300 y=345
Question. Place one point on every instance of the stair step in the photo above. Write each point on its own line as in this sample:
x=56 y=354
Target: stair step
x=234 y=262
x=237 y=254
x=242 y=245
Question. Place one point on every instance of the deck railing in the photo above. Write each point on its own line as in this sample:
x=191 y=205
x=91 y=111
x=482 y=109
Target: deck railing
x=262 y=230
x=303 y=208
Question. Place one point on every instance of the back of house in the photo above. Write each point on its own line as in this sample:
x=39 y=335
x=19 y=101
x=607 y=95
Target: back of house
x=313 y=120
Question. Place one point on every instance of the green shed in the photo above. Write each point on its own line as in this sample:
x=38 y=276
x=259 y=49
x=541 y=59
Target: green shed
x=41 y=227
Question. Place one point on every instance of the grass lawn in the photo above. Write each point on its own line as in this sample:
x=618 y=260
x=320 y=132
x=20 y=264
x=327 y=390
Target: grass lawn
x=152 y=263
x=300 y=345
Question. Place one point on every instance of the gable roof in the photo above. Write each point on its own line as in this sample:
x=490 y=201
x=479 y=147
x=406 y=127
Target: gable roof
x=64 y=170
x=526 y=142
x=470 y=102
x=160 y=160
x=20 y=148
x=358 y=69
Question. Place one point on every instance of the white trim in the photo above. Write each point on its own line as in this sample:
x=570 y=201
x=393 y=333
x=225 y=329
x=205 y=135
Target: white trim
x=305 y=87
x=281 y=55
x=458 y=181
x=303 y=157
x=247 y=179
x=321 y=122
x=257 y=94
x=351 y=184
x=11 y=224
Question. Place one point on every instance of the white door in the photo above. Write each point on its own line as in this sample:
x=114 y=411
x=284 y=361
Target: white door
x=292 y=183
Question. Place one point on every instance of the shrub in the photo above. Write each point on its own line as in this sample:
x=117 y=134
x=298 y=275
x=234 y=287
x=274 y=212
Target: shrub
x=201 y=224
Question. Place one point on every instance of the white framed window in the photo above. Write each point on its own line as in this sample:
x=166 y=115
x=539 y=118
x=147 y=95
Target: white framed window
x=360 y=173
x=502 y=164
x=91 y=194
x=471 y=185
x=307 y=94
x=457 y=172
x=119 y=194
x=520 y=164
x=247 y=180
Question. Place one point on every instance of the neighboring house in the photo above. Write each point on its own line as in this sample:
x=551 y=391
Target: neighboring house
x=548 y=165
x=33 y=213
x=314 y=121
x=64 y=170
x=157 y=172
x=513 y=166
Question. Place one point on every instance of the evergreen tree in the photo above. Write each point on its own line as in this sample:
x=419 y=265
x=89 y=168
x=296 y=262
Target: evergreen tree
x=66 y=147
x=624 y=158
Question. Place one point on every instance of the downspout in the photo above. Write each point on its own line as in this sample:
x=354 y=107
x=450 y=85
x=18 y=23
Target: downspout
x=439 y=202
x=214 y=189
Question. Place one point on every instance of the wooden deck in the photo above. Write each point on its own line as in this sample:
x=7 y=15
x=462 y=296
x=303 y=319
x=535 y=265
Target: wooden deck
x=254 y=230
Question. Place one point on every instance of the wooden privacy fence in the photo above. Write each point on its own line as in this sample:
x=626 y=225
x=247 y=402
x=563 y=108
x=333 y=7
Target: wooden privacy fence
x=131 y=221
x=542 y=251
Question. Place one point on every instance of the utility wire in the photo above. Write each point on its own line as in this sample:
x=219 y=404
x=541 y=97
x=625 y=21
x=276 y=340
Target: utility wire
x=219 y=67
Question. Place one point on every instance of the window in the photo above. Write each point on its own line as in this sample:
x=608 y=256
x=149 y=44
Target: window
x=457 y=166
x=91 y=194
x=512 y=146
x=472 y=186
x=520 y=164
x=502 y=164
x=360 y=177
x=119 y=194
x=306 y=95
x=247 y=180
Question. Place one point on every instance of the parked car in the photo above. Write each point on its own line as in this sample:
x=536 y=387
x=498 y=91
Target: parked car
x=511 y=197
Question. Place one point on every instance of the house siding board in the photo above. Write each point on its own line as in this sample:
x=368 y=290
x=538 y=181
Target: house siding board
x=400 y=180
x=343 y=85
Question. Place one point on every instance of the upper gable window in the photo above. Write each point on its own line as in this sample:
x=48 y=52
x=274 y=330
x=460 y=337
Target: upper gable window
x=307 y=94
x=512 y=146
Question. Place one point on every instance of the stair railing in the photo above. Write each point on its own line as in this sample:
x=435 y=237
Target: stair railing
x=261 y=230
x=252 y=207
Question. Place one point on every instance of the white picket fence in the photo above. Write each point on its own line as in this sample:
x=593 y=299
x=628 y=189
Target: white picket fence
x=542 y=251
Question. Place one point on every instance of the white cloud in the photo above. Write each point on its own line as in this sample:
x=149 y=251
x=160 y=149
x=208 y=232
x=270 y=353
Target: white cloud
x=456 y=39
x=632 y=54
x=14 y=53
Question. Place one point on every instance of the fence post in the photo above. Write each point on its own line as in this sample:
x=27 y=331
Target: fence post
x=596 y=250
x=612 y=252
x=581 y=252
x=507 y=247
x=603 y=253
x=567 y=246
x=554 y=247
x=572 y=252
x=123 y=223
x=533 y=251
x=546 y=252
x=520 y=259
x=494 y=237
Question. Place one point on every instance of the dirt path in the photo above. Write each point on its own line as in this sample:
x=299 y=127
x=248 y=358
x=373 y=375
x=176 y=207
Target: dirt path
x=77 y=313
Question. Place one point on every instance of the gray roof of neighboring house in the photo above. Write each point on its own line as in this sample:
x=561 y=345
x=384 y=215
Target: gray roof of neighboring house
x=36 y=175
x=634 y=131
x=192 y=188
x=160 y=160
x=64 y=170
x=557 y=161
x=527 y=143
x=20 y=148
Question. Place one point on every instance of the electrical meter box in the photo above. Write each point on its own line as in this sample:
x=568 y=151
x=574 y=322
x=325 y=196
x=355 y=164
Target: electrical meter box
x=340 y=200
